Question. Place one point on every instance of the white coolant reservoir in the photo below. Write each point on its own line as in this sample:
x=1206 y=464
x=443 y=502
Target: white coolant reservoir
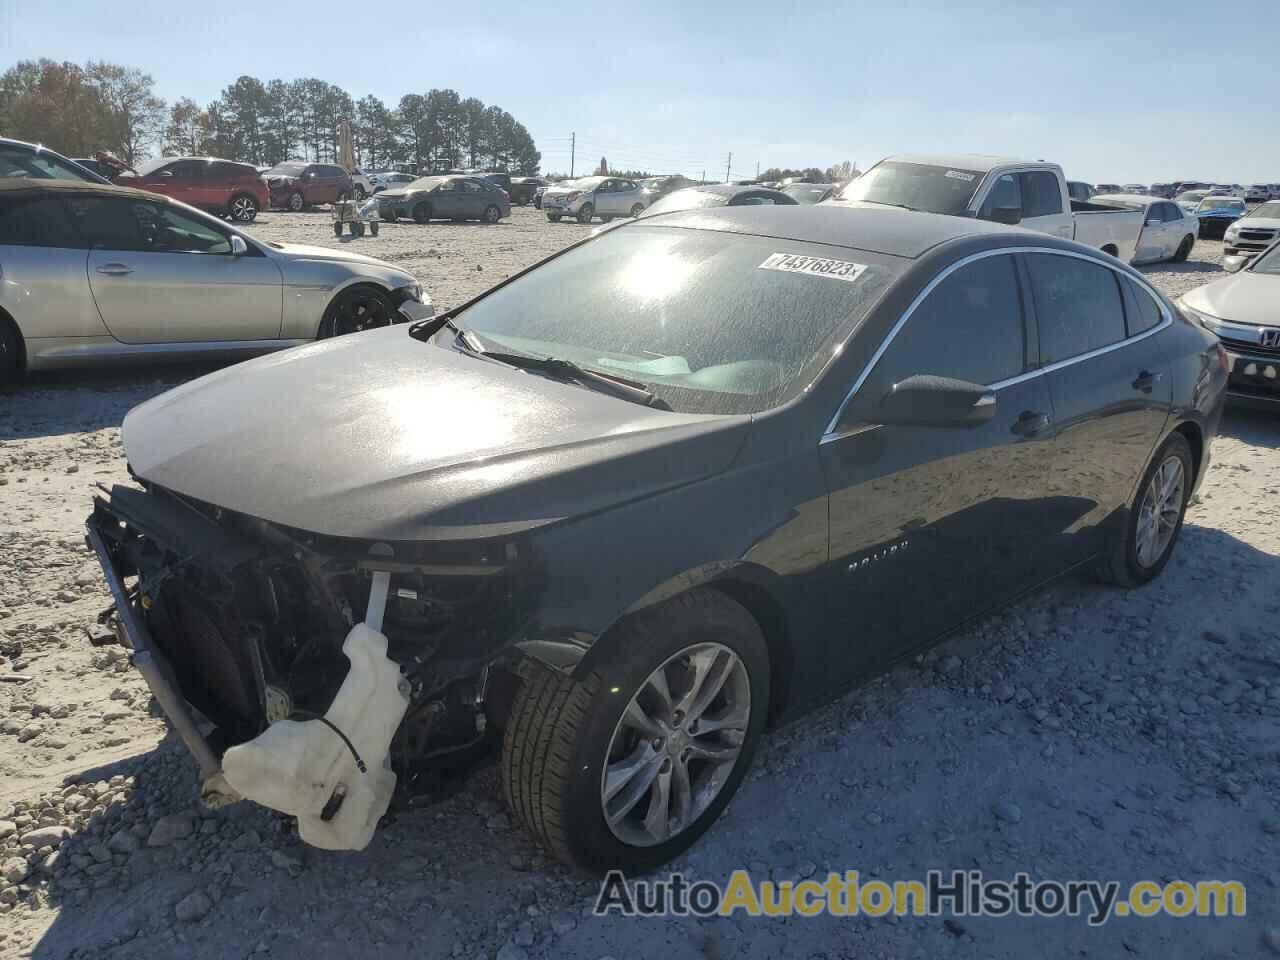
x=305 y=768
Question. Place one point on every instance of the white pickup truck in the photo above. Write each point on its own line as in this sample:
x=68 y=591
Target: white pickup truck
x=1027 y=193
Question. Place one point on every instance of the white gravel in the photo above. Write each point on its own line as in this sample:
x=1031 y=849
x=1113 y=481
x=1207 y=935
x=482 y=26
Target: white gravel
x=1087 y=733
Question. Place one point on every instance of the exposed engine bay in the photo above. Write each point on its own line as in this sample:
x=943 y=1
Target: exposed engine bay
x=334 y=672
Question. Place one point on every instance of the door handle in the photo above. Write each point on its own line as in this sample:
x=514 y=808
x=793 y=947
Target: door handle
x=114 y=269
x=1031 y=423
x=1146 y=380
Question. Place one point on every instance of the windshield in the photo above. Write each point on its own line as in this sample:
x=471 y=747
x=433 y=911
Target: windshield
x=425 y=183
x=40 y=165
x=583 y=183
x=286 y=170
x=1192 y=196
x=1221 y=203
x=1268 y=262
x=687 y=200
x=151 y=166
x=915 y=185
x=807 y=193
x=1266 y=211
x=711 y=322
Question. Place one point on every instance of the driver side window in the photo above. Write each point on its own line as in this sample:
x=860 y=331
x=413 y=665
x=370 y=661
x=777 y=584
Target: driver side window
x=970 y=327
x=1005 y=192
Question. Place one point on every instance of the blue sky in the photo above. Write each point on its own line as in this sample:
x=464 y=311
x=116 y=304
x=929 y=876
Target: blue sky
x=1112 y=93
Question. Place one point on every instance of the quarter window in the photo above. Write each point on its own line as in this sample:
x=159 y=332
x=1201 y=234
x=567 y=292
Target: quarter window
x=1041 y=194
x=36 y=222
x=1141 y=310
x=970 y=327
x=1077 y=305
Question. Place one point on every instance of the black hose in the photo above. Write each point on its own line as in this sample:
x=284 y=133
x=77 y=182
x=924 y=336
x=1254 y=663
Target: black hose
x=308 y=715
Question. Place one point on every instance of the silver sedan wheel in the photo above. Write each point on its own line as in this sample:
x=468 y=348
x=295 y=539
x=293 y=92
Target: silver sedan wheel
x=1161 y=508
x=676 y=744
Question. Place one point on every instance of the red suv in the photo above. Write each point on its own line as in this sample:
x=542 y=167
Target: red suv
x=234 y=190
x=296 y=184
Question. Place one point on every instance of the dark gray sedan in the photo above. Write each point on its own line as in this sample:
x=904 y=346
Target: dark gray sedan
x=720 y=195
x=444 y=198
x=682 y=480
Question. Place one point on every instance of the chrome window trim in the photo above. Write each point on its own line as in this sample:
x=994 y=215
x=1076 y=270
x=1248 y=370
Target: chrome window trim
x=1166 y=320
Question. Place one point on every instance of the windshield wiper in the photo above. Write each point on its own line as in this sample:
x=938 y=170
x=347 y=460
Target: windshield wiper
x=560 y=369
x=886 y=203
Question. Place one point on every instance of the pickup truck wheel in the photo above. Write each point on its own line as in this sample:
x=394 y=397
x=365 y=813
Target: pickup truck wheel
x=296 y=202
x=626 y=767
x=1184 y=249
x=1155 y=518
x=358 y=308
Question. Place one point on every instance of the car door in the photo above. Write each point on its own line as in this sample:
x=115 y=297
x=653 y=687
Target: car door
x=1109 y=384
x=446 y=199
x=42 y=268
x=1153 y=238
x=160 y=274
x=627 y=196
x=929 y=525
x=175 y=180
x=1176 y=229
x=473 y=197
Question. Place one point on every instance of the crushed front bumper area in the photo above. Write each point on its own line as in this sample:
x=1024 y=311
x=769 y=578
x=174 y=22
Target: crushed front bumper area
x=257 y=629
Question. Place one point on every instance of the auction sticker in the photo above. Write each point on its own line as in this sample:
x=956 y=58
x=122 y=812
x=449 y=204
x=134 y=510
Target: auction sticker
x=845 y=270
x=960 y=175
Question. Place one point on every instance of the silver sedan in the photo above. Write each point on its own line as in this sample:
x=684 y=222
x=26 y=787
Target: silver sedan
x=92 y=273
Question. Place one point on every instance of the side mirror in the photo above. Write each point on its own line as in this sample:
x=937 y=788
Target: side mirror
x=238 y=247
x=1009 y=216
x=924 y=400
x=1234 y=263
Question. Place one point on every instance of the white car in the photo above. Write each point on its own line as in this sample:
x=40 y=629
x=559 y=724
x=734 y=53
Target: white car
x=1258 y=193
x=603 y=197
x=1168 y=231
x=385 y=179
x=361 y=184
x=1254 y=232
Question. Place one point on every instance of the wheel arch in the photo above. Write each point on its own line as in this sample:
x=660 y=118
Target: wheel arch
x=348 y=285
x=1111 y=248
x=1194 y=435
x=748 y=585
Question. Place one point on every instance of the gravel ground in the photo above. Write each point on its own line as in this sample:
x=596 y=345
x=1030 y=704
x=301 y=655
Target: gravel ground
x=1086 y=733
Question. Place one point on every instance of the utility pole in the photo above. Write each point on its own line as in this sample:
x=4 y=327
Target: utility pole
x=728 y=164
x=573 y=146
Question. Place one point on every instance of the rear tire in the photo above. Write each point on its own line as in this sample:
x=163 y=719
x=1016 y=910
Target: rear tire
x=553 y=217
x=1184 y=249
x=422 y=213
x=563 y=733
x=10 y=353
x=1125 y=565
x=296 y=202
x=492 y=214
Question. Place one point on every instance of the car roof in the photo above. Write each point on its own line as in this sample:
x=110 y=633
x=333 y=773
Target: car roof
x=979 y=162
x=730 y=189
x=10 y=185
x=1140 y=198
x=898 y=233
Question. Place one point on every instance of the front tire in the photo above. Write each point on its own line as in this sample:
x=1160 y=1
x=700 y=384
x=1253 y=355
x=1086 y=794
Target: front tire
x=355 y=309
x=492 y=214
x=636 y=210
x=243 y=208
x=585 y=213
x=628 y=766
x=296 y=202
x=422 y=213
x=1155 y=518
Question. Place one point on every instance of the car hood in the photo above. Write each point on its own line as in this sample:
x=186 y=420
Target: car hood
x=564 y=191
x=1245 y=297
x=378 y=436
x=303 y=251
x=1258 y=223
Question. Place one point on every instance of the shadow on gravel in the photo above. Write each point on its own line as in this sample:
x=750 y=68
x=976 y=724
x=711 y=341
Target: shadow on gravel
x=1085 y=732
x=1258 y=428
x=1189 y=266
x=54 y=403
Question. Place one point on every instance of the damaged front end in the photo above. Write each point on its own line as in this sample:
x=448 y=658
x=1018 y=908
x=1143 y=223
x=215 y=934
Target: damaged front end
x=331 y=669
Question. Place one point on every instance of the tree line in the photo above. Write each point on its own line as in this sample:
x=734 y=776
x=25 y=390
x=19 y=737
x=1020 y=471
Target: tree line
x=79 y=110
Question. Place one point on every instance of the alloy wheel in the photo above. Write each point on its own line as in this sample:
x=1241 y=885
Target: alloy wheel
x=243 y=209
x=295 y=202
x=361 y=312
x=676 y=744
x=1160 y=511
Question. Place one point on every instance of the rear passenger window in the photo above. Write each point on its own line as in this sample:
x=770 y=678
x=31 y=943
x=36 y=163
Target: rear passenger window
x=1077 y=305
x=1140 y=308
x=1041 y=194
x=970 y=328
x=36 y=222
